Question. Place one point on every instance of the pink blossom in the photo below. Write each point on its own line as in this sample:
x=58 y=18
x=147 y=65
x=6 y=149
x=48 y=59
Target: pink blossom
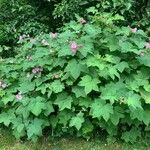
x=82 y=21
x=19 y=96
x=37 y=70
x=134 y=30
x=147 y=44
x=74 y=46
x=53 y=35
x=34 y=71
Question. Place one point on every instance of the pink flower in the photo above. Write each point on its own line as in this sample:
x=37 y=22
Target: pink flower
x=134 y=30
x=53 y=35
x=37 y=70
x=74 y=47
x=147 y=44
x=19 y=96
x=82 y=21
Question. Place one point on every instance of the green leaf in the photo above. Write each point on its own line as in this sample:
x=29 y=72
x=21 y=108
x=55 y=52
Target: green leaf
x=138 y=41
x=57 y=86
x=35 y=128
x=7 y=118
x=146 y=118
x=145 y=60
x=134 y=100
x=94 y=61
x=79 y=91
x=89 y=84
x=8 y=98
x=23 y=111
x=64 y=117
x=112 y=59
x=63 y=101
x=121 y=66
x=137 y=114
x=127 y=47
x=26 y=86
x=92 y=30
x=64 y=50
x=101 y=109
x=41 y=52
x=132 y=135
x=146 y=96
x=74 y=68
x=117 y=115
x=77 y=121
x=37 y=105
x=48 y=108
x=112 y=42
x=112 y=72
x=87 y=46
x=114 y=91
x=86 y=102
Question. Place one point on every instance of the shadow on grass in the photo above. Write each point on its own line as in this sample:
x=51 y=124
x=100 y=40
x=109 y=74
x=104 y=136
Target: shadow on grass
x=8 y=142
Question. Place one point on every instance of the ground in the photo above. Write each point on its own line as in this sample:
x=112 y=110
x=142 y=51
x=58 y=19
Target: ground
x=8 y=142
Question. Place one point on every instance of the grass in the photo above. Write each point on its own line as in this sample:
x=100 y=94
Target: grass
x=8 y=142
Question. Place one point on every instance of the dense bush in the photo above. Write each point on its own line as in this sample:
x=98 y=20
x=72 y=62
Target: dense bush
x=84 y=80
x=91 y=77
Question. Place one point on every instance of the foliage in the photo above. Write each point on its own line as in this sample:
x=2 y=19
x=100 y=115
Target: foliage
x=19 y=18
x=86 y=78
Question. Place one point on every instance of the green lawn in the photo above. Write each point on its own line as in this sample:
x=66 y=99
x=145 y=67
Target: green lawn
x=8 y=142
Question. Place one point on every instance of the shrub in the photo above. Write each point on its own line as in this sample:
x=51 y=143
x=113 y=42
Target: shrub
x=81 y=81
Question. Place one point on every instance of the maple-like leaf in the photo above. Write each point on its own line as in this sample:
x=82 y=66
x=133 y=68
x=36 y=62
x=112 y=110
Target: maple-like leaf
x=35 y=128
x=117 y=115
x=77 y=121
x=113 y=91
x=121 y=66
x=134 y=100
x=101 y=109
x=64 y=116
x=7 y=118
x=49 y=108
x=36 y=105
x=63 y=101
x=89 y=83
x=74 y=68
x=79 y=91
x=57 y=86
x=145 y=60
x=146 y=96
